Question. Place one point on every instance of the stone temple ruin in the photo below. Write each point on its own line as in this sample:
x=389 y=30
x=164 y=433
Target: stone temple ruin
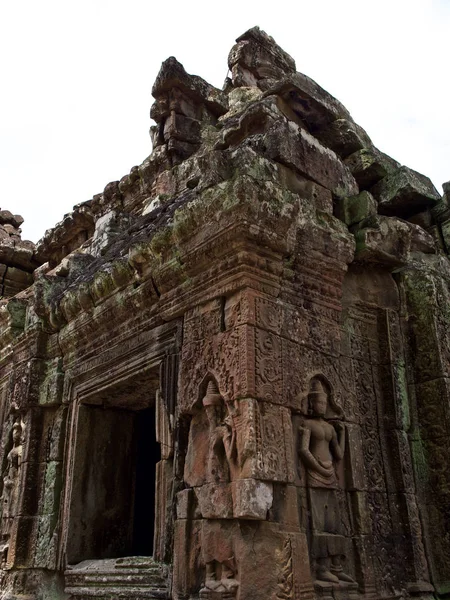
x=227 y=377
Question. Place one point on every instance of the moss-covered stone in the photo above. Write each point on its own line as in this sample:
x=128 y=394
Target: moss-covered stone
x=404 y=192
x=354 y=209
x=369 y=165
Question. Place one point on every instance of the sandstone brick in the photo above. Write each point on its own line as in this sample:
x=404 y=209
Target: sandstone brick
x=404 y=193
x=354 y=209
x=344 y=136
x=252 y=499
x=369 y=165
x=296 y=148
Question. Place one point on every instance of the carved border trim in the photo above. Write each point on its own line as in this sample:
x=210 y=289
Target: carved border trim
x=83 y=383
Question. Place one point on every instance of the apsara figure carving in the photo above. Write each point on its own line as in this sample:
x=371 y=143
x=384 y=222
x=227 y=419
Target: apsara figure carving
x=322 y=446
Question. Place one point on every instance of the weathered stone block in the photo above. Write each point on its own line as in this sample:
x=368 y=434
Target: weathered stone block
x=199 y=172
x=256 y=166
x=182 y=128
x=6 y=250
x=404 y=193
x=360 y=512
x=52 y=488
x=294 y=147
x=23 y=538
x=356 y=474
x=52 y=383
x=203 y=321
x=369 y=165
x=310 y=102
x=57 y=434
x=164 y=506
x=185 y=501
x=344 y=137
x=400 y=478
x=428 y=297
x=255 y=119
x=433 y=408
x=187 y=566
x=389 y=240
x=215 y=500
x=287 y=506
x=423 y=219
x=445 y=229
x=180 y=150
x=6 y=217
x=238 y=99
x=46 y=549
x=354 y=209
x=19 y=277
x=234 y=381
x=268 y=363
x=257 y=56
x=251 y=499
x=441 y=210
x=277 y=562
x=173 y=75
x=229 y=209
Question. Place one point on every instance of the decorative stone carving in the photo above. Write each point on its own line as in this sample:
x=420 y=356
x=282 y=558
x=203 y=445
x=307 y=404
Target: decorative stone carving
x=221 y=581
x=321 y=447
x=268 y=365
x=11 y=475
x=241 y=272
x=211 y=459
x=285 y=589
x=222 y=436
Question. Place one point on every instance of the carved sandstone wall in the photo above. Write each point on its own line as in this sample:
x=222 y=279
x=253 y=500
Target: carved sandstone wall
x=235 y=360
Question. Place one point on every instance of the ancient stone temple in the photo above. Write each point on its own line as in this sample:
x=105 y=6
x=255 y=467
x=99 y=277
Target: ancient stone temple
x=227 y=376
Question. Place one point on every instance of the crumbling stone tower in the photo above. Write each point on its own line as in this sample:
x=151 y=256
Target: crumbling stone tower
x=227 y=376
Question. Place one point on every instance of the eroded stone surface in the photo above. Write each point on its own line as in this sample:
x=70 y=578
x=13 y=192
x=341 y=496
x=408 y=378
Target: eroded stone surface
x=234 y=360
x=404 y=193
x=369 y=165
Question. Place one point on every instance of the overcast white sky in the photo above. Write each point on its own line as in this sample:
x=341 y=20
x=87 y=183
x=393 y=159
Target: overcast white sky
x=76 y=80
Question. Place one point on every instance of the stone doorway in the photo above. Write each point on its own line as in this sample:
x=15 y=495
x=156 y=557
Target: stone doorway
x=148 y=454
x=112 y=497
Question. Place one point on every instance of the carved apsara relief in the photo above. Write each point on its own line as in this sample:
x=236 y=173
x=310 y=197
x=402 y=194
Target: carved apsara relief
x=222 y=436
x=221 y=580
x=212 y=463
x=321 y=447
x=211 y=453
x=11 y=479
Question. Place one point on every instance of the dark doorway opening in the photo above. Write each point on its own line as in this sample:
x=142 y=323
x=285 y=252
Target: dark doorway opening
x=112 y=511
x=148 y=454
